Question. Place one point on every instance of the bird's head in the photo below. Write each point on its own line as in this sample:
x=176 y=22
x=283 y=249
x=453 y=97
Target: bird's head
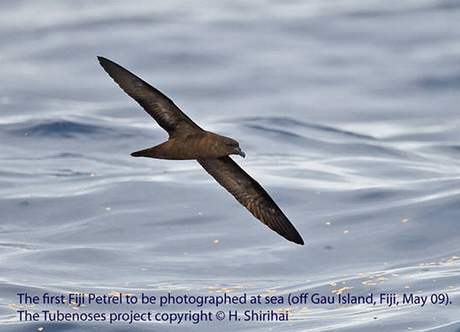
x=232 y=146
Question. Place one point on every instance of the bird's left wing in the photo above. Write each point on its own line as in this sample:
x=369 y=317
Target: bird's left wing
x=154 y=102
x=251 y=195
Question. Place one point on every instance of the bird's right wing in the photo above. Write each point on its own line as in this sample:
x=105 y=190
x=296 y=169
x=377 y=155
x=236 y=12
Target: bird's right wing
x=251 y=195
x=155 y=103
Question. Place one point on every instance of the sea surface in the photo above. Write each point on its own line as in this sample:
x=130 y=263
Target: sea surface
x=348 y=111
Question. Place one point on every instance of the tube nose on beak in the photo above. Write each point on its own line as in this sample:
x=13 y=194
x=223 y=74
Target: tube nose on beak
x=241 y=152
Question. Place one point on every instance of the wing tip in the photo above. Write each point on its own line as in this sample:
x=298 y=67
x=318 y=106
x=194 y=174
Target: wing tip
x=101 y=58
x=296 y=239
x=291 y=233
x=300 y=241
x=104 y=62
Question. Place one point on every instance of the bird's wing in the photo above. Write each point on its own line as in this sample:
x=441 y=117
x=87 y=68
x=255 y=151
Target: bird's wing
x=160 y=107
x=251 y=195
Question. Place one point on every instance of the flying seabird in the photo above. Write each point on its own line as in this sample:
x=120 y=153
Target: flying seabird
x=188 y=141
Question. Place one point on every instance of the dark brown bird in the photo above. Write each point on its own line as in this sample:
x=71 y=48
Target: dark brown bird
x=188 y=141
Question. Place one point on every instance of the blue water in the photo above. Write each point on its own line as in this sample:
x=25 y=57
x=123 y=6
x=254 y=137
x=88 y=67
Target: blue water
x=348 y=112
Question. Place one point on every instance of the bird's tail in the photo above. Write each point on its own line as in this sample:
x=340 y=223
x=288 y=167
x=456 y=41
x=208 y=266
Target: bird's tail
x=143 y=153
x=158 y=151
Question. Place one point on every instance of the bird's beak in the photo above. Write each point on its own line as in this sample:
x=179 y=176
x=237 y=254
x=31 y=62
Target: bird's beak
x=241 y=152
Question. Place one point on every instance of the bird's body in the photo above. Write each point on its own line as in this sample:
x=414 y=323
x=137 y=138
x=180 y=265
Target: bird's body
x=199 y=145
x=188 y=141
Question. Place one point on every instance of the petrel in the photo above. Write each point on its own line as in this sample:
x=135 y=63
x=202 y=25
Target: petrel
x=188 y=141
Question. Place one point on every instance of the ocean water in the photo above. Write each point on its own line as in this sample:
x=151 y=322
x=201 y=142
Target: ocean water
x=348 y=112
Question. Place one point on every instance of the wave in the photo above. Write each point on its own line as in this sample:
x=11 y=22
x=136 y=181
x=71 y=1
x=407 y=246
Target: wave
x=59 y=128
x=45 y=128
x=289 y=122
